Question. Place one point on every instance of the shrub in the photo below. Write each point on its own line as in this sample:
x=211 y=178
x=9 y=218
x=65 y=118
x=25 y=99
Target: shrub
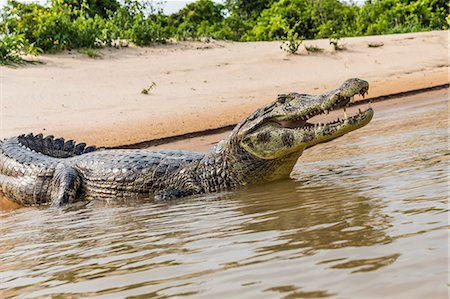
x=246 y=10
x=101 y=8
x=48 y=28
x=335 y=42
x=398 y=16
x=310 y=19
x=276 y=21
x=146 y=31
x=69 y=24
x=313 y=49
x=197 y=19
x=12 y=46
x=292 y=42
x=57 y=27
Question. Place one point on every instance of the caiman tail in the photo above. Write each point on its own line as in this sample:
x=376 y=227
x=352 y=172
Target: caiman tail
x=29 y=167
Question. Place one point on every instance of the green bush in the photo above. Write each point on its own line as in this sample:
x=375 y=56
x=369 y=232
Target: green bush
x=56 y=28
x=248 y=10
x=292 y=42
x=334 y=18
x=89 y=24
x=276 y=21
x=101 y=8
x=197 y=19
x=399 y=16
x=310 y=19
x=146 y=31
x=12 y=46
x=331 y=18
x=231 y=28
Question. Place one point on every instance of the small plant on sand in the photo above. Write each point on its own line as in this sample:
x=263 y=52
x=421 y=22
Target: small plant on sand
x=92 y=53
x=13 y=46
x=313 y=49
x=292 y=43
x=150 y=87
x=335 y=42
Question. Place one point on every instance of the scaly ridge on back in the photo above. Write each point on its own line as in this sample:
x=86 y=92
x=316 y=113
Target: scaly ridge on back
x=54 y=147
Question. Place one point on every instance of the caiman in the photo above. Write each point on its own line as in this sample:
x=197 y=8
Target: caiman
x=263 y=147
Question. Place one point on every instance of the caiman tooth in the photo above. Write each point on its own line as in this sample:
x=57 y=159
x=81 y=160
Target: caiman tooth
x=79 y=148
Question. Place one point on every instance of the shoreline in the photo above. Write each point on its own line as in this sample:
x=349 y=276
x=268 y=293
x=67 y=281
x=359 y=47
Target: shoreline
x=200 y=86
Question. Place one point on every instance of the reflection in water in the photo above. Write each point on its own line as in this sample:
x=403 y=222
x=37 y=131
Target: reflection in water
x=363 y=217
x=315 y=217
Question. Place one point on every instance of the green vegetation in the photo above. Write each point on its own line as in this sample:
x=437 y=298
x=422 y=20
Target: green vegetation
x=91 y=24
x=11 y=48
x=292 y=42
x=335 y=42
x=93 y=53
x=313 y=49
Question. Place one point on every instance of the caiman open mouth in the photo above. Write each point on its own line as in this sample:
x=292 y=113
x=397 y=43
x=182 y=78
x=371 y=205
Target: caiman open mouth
x=304 y=121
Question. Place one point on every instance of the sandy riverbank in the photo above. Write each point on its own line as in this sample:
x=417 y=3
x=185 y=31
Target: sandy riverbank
x=199 y=85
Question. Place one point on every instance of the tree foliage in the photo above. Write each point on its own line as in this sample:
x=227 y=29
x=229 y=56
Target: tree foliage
x=69 y=24
x=248 y=9
x=197 y=19
x=399 y=16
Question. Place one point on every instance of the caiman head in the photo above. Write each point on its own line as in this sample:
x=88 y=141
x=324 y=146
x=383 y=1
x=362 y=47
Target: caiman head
x=282 y=129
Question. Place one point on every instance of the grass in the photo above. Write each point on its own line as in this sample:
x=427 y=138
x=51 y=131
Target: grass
x=92 y=53
x=313 y=49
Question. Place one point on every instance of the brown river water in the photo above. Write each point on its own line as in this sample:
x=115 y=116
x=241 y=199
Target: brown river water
x=364 y=216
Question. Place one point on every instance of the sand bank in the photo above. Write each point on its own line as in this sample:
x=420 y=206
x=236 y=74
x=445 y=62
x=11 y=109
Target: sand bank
x=199 y=86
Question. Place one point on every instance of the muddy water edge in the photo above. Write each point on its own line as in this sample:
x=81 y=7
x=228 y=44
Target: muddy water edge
x=364 y=216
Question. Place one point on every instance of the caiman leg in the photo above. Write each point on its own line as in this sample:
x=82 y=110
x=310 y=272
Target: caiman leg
x=64 y=186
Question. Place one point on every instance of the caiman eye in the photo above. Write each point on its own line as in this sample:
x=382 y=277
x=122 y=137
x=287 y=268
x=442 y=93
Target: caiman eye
x=282 y=98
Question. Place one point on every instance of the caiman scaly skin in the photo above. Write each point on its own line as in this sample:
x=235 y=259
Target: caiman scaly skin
x=263 y=147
